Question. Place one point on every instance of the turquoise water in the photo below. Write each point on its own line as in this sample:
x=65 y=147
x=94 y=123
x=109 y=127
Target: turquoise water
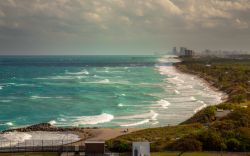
x=103 y=91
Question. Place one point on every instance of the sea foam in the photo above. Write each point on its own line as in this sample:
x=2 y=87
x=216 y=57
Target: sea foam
x=38 y=138
x=83 y=72
x=92 y=120
x=135 y=124
x=163 y=103
x=146 y=118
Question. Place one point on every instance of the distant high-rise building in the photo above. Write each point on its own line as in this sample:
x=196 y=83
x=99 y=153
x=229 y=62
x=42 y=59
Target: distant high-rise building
x=175 y=52
x=182 y=50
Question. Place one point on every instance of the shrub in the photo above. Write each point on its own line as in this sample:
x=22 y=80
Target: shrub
x=211 y=140
x=189 y=143
x=233 y=144
x=119 y=146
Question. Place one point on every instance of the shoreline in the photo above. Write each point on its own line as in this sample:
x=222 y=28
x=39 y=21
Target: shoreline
x=87 y=133
x=224 y=97
x=100 y=133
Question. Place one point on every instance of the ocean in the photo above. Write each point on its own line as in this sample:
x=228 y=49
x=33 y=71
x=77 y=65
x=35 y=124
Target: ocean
x=98 y=91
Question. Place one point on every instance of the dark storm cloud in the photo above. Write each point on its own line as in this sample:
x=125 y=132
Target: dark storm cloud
x=119 y=26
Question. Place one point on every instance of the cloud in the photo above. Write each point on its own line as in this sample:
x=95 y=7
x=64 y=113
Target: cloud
x=92 y=17
x=169 y=7
x=241 y=24
x=95 y=21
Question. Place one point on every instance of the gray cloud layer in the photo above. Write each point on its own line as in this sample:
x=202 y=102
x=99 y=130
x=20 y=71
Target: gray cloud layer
x=121 y=26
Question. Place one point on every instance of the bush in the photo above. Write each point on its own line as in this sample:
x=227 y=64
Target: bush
x=233 y=144
x=224 y=125
x=119 y=146
x=212 y=141
x=189 y=143
x=241 y=116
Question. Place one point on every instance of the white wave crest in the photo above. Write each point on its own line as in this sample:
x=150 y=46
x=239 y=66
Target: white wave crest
x=52 y=122
x=92 y=120
x=120 y=105
x=83 y=72
x=45 y=97
x=136 y=123
x=145 y=118
x=200 y=108
x=139 y=116
x=192 y=98
x=163 y=103
x=176 y=92
x=104 y=81
x=9 y=124
x=61 y=77
x=39 y=97
x=154 y=117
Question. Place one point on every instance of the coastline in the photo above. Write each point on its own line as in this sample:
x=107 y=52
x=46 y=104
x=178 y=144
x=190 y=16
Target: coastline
x=95 y=133
x=224 y=97
x=87 y=133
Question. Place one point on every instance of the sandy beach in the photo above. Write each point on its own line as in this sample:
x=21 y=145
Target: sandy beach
x=102 y=134
x=57 y=135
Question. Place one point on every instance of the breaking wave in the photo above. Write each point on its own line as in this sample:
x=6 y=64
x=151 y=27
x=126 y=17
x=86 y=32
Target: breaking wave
x=163 y=103
x=84 y=120
x=83 y=72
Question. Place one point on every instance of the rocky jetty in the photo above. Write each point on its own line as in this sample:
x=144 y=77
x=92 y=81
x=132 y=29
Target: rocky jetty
x=46 y=127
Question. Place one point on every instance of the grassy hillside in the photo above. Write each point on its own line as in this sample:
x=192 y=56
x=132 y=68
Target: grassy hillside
x=203 y=131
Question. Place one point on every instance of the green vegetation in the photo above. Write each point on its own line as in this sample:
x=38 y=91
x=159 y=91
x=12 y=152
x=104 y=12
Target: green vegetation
x=199 y=154
x=204 y=131
x=161 y=138
x=31 y=154
x=229 y=75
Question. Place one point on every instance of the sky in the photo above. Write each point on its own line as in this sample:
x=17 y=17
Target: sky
x=38 y=27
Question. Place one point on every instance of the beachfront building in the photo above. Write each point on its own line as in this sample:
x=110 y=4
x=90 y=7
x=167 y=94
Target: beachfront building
x=184 y=52
x=94 y=147
x=141 y=149
x=175 y=52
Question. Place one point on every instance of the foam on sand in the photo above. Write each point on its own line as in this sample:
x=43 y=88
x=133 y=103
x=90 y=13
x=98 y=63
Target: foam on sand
x=21 y=139
x=200 y=108
x=14 y=137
